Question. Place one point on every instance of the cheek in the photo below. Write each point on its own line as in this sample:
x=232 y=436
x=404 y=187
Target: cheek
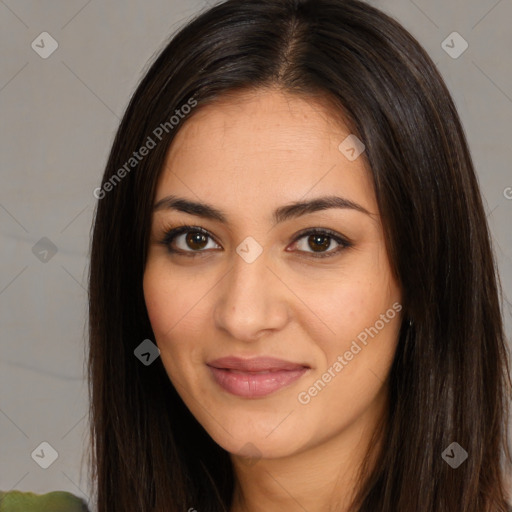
x=353 y=296
x=349 y=307
x=362 y=313
x=157 y=300
x=167 y=300
x=176 y=313
x=164 y=311
x=354 y=365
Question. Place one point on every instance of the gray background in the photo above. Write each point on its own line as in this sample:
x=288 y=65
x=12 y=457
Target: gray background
x=58 y=119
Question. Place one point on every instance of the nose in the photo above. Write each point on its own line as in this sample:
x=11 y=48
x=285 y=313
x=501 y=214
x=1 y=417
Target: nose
x=252 y=300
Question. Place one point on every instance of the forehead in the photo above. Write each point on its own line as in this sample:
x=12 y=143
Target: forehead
x=262 y=148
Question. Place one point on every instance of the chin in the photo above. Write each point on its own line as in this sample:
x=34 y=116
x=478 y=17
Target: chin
x=260 y=442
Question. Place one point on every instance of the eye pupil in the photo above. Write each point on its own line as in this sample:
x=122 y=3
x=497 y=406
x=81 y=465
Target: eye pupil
x=318 y=240
x=195 y=238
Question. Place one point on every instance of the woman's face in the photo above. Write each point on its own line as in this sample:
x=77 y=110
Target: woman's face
x=248 y=280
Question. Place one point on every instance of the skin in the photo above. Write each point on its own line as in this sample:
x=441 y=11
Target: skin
x=247 y=155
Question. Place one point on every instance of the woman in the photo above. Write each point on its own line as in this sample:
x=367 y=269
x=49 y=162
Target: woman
x=293 y=299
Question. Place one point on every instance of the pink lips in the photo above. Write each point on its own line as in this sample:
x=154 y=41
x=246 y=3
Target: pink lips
x=256 y=377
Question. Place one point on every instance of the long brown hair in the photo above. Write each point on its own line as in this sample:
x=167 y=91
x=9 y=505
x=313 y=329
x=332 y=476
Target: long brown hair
x=449 y=381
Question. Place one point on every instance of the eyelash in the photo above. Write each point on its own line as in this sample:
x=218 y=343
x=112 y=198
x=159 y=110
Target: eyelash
x=171 y=233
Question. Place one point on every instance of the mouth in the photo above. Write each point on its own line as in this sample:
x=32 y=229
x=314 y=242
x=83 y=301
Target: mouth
x=256 y=377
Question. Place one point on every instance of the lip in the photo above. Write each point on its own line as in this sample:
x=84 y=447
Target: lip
x=255 y=377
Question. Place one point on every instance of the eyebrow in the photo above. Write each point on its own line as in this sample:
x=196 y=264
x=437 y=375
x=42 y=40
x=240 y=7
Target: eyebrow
x=281 y=214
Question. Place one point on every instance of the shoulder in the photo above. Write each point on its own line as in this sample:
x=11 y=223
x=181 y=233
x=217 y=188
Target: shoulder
x=56 y=501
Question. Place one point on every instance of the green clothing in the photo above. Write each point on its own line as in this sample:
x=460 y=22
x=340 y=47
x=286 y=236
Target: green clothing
x=57 y=501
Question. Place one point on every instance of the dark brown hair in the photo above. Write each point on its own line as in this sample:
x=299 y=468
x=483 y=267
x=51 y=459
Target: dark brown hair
x=449 y=380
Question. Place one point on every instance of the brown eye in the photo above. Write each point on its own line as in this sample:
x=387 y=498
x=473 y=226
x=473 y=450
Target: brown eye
x=187 y=240
x=196 y=240
x=193 y=241
x=318 y=243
